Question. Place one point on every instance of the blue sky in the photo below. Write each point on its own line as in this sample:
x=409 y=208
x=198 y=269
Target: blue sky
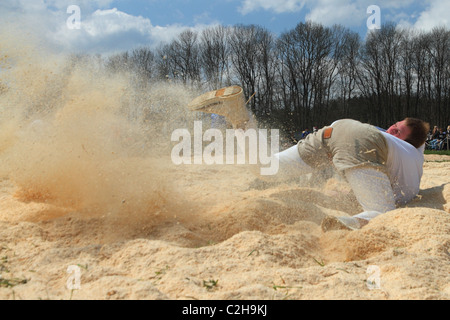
x=109 y=26
x=191 y=13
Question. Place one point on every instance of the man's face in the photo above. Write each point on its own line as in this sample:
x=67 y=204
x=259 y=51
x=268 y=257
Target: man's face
x=400 y=130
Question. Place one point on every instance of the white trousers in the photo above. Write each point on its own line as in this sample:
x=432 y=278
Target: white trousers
x=371 y=187
x=291 y=164
x=373 y=190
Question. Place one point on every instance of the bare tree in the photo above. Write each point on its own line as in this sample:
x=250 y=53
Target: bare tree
x=118 y=62
x=306 y=54
x=312 y=74
x=253 y=56
x=347 y=69
x=439 y=54
x=378 y=75
x=267 y=64
x=179 y=60
x=214 y=54
x=408 y=76
x=185 y=57
x=164 y=67
x=143 y=61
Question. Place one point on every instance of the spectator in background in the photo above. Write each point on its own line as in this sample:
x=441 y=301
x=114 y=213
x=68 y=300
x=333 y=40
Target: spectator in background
x=305 y=134
x=437 y=139
x=435 y=133
x=446 y=145
x=442 y=134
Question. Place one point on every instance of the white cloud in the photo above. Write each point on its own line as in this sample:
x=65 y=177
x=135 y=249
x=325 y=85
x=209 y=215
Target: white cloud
x=107 y=31
x=102 y=31
x=353 y=12
x=437 y=14
x=88 y=5
x=107 y=22
x=350 y=13
x=36 y=6
x=279 y=6
x=347 y=13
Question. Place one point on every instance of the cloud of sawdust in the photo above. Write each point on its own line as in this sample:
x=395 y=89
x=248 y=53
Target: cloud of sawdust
x=74 y=134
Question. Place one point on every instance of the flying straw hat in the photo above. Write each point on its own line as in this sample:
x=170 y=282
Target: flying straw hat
x=228 y=102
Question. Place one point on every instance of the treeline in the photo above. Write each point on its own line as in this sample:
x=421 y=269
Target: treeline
x=312 y=74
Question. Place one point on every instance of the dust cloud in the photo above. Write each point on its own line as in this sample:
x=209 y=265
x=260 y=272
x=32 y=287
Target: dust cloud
x=76 y=135
x=86 y=179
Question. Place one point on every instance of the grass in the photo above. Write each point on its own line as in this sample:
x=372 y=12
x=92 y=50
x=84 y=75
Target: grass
x=85 y=267
x=162 y=271
x=160 y=274
x=320 y=263
x=8 y=283
x=284 y=287
x=440 y=152
x=11 y=283
x=275 y=287
x=210 y=284
x=3 y=262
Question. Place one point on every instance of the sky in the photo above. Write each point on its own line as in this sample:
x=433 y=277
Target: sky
x=109 y=26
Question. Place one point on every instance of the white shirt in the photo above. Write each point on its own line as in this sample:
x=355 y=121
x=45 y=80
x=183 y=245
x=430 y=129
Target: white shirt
x=376 y=192
x=404 y=167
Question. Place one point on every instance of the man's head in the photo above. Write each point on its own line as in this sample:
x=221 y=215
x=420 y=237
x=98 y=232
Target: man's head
x=411 y=130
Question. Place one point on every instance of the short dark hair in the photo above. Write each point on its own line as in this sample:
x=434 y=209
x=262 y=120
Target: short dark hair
x=419 y=131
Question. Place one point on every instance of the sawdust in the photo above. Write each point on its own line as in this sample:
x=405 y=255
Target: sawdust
x=86 y=180
x=249 y=240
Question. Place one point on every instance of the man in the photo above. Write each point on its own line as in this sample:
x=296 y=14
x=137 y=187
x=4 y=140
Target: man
x=305 y=134
x=384 y=169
